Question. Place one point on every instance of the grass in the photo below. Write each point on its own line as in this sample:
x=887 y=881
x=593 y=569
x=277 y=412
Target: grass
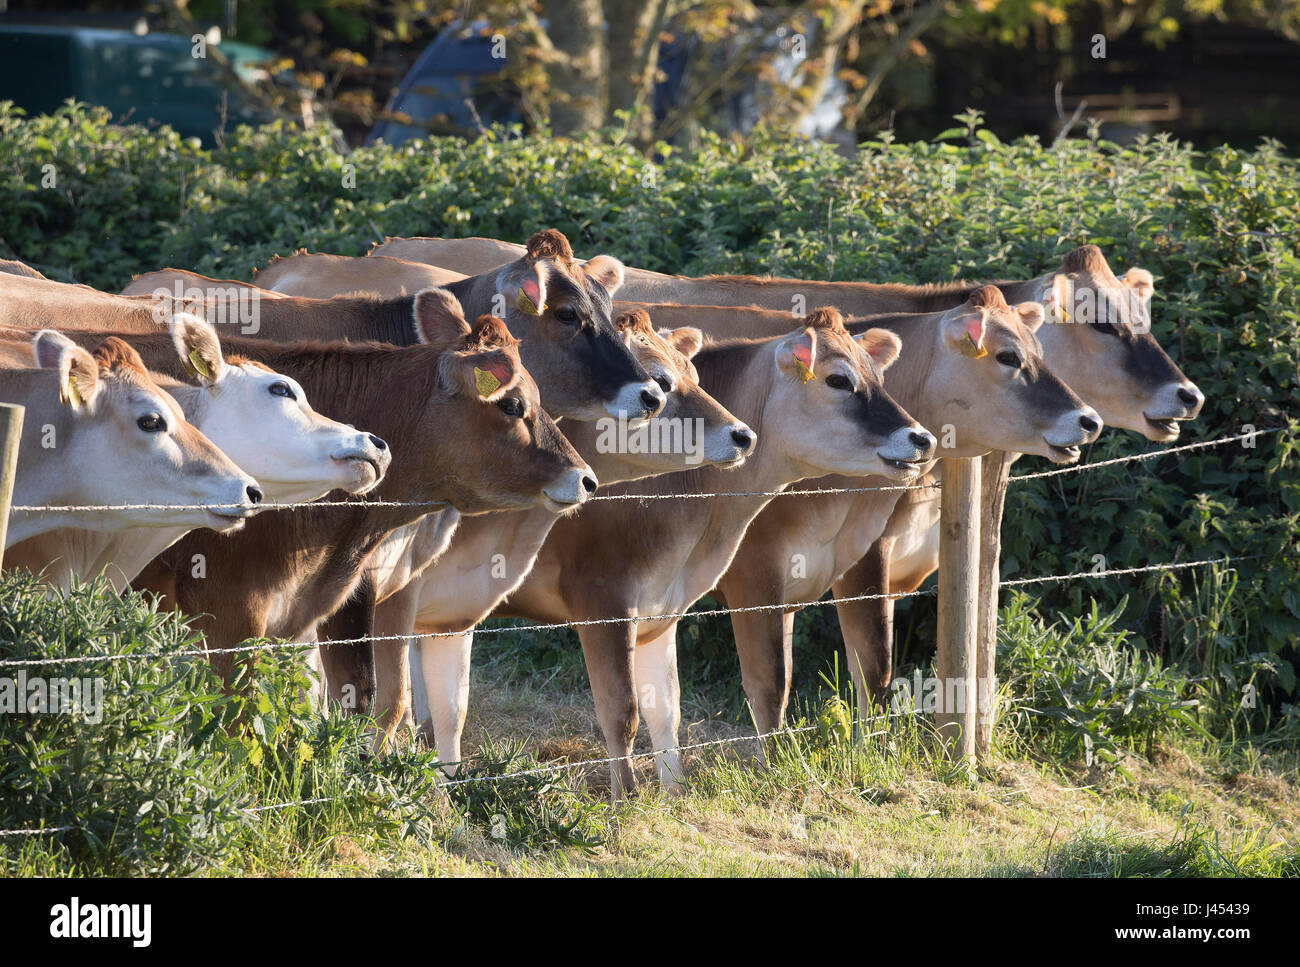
x=818 y=804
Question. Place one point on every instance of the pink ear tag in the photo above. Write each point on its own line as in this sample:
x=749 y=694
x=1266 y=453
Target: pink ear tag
x=970 y=342
x=530 y=297
x=803 y=362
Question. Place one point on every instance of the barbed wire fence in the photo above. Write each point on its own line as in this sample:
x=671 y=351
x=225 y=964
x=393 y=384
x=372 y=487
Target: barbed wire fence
x=554 y=768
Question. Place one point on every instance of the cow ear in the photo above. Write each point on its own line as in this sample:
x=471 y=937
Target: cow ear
x=796 y=355
x=530 y=295
x=487 y=375
x=963 y=330
x=199 y=348
x=439 y=319
x=687 y=340
x=1142 y=283
x=77 y=369
x=606 y=270
x=1057 y=298
x=1031 y=315
x=881 y=345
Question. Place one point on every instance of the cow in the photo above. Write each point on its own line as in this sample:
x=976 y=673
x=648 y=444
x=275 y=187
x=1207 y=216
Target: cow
x=492 y=554
x=465 y=424
x=815 y=399
x=99 y=431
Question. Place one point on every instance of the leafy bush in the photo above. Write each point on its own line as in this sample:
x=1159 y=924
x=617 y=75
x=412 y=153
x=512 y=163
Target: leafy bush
x=134 y=775
x=1220 y=230
x=1080 y=689
x=169 y=774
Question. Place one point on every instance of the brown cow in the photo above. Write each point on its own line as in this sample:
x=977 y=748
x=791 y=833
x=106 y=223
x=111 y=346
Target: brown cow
x=492 y=554
x=466 y=428
x=814 y=398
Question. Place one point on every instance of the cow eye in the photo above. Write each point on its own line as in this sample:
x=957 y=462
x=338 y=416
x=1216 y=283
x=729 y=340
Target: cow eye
x=281 y=388
x=512 y=406
x=1008 y=358
x=839 y=381
x=151 y=423
x=566 y=314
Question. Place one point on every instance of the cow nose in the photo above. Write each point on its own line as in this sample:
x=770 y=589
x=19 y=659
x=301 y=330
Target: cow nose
x=589 y=483
x=922 y=441
x=1089 y=424
x=254 y=494
x=743 y=437
x=1189 y=396
x=378 y=443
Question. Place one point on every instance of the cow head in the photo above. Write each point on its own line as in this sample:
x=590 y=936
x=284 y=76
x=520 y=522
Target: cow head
x=1099 y=335
x=263 y=421
x=561 y=310
x=508 y=453
x=828 y=409
x=987 y=387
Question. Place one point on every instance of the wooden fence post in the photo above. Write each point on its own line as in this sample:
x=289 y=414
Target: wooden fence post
x=11 y=432
x=959 y=536
x=994 y=474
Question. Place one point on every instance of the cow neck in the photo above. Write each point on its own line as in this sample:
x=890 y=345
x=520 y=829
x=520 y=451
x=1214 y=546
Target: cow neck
x=354 y=318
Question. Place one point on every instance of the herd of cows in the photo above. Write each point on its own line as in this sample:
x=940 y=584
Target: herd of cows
x=470 y=396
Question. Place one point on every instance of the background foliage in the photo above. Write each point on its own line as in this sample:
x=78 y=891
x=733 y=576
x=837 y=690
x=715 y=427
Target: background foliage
x=1219 y=229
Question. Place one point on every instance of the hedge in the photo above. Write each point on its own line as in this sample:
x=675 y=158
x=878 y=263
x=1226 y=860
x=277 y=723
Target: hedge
x=1219 y=229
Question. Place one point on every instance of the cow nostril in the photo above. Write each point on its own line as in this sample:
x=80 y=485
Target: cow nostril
x=1089 y=424
x=378 y=443
x=742 y=438
x=650 y=400
x=589 y=483
x=922 y=441
x=1190 y=397
x=254 y=494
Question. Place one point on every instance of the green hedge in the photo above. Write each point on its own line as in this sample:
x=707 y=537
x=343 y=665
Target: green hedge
x=1217 y=228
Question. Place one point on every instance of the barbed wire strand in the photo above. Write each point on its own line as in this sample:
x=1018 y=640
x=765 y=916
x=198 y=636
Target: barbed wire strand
x=555 y=626
x=549 y=769
x=801 y=492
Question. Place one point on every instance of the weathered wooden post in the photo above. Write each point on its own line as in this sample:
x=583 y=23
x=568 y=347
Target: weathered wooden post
x=995 y=471
x=959 y=536
x=11 y=432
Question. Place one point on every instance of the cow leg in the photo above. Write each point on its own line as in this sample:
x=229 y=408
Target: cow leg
x=350 y=669
x=763 y=641
x=394 y=616
x=444 y=665
x=608 y=650
x=868 y=626
x=659 y=698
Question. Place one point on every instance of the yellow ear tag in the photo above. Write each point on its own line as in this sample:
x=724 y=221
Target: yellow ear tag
x=200 y=364
x=968 y=347
x=526 y=304
x=74 y=394
x=802 y=357
x=485 y=382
